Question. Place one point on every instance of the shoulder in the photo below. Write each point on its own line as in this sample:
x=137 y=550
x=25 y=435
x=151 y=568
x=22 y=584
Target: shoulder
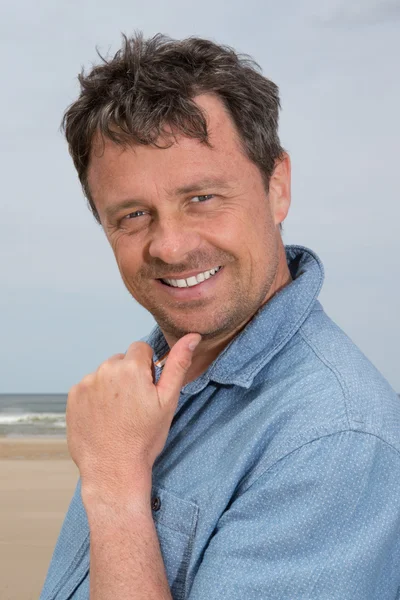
x=370 y=402
x=320 y=384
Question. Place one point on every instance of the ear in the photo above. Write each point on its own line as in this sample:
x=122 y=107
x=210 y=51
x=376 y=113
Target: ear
x=280 y=189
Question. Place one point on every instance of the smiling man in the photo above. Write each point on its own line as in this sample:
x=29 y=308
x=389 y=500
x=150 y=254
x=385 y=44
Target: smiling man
x=247 y=449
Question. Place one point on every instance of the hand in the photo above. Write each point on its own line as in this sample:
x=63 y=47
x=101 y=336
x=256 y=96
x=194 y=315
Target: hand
x=118 y=420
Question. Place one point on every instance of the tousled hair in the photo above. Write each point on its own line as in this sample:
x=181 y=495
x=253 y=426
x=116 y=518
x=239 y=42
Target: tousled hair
x=145 y=93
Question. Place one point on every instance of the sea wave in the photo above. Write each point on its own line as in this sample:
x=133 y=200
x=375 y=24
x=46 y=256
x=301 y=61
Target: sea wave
x=38 y=419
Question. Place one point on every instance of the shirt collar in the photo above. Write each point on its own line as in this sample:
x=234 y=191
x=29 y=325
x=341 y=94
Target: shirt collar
x=269 y=330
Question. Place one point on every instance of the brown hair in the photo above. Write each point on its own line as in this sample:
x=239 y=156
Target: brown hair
x=151 y=84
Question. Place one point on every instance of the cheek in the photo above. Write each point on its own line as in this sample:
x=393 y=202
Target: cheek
x=229 y=229
x=126 y=253
x=258 y=247
x=128 y=265
x=252 y=232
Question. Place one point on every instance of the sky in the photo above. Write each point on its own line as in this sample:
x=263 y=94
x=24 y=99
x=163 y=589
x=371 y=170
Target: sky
x=63 y=306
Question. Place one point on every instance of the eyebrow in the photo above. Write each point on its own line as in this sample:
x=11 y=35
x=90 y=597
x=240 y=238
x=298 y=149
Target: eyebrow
x=197 y=186
x=200 y=185
x=111 y=211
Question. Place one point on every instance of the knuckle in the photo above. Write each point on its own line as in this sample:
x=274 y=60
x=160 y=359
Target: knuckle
x=84 y=384
x=134 y=348
x=108 y=367
x=140 y=349
x=105 y=367
x=114 y=358
x=130 y=367
x=184 y=363
x=88 y=379
x=133 y=345
x=142 y=346
x=73 y=391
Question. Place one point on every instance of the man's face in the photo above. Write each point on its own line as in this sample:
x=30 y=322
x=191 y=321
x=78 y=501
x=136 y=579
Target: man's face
x=173 y=215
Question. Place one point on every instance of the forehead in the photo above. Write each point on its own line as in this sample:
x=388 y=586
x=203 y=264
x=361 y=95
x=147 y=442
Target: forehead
x=115 y=169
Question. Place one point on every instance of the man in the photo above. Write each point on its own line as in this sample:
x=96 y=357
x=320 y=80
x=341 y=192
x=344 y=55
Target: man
x=248 y=450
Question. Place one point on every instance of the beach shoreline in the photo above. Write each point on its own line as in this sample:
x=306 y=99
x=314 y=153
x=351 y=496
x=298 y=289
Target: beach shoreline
x=34 y=448
x=37 y=481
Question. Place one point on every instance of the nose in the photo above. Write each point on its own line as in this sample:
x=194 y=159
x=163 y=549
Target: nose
x=172 y=240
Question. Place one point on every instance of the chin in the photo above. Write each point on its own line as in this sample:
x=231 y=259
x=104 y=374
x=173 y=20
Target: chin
x=208 y=331
x=218 y=320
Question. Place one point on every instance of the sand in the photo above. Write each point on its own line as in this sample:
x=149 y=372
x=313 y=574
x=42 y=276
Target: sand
x=37 y=481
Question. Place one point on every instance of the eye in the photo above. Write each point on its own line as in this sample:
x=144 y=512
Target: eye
x=204 y=198
x=134 y=215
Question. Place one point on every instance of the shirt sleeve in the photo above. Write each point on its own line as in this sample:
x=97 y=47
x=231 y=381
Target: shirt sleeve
x=321 y=523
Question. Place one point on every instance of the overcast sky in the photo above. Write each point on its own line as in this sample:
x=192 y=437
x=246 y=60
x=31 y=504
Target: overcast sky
x=63 y=308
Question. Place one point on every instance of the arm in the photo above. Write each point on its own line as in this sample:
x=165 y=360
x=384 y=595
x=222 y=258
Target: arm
x=125 y=556
x=323 y=523
x=118 y=420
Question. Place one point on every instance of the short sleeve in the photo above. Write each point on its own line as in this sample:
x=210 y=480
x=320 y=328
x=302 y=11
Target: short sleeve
x=322 y=523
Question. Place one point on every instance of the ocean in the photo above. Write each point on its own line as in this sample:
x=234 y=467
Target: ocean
x=24 y=415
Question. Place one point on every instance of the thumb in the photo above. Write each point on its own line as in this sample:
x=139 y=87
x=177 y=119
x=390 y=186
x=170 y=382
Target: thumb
x=176 y=367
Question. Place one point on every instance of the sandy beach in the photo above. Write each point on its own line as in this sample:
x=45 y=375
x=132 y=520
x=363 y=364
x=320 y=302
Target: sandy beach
x=37 y=480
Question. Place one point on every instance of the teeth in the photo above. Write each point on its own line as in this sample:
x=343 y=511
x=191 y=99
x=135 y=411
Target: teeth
x=194 y=280
x=191 y=281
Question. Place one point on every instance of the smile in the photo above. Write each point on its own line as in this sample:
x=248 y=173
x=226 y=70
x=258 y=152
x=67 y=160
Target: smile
x=191 y=281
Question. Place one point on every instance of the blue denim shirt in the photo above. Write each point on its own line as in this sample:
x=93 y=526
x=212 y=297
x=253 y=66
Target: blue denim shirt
x=280 y=477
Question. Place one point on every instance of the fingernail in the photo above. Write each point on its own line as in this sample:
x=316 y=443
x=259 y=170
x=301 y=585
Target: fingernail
x=193 y=344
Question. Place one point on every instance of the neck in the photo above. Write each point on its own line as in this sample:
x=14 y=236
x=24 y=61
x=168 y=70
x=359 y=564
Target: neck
x=208 y=350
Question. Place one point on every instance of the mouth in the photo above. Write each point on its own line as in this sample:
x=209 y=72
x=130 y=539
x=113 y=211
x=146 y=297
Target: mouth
x=191 y=281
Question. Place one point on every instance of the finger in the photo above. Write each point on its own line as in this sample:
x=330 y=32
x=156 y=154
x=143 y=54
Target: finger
x=176 y=368
x=115 y=357
x=142 y=355
x=140 y=352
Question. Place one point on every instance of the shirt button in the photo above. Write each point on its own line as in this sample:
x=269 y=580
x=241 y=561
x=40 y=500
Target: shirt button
x=155 y=503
